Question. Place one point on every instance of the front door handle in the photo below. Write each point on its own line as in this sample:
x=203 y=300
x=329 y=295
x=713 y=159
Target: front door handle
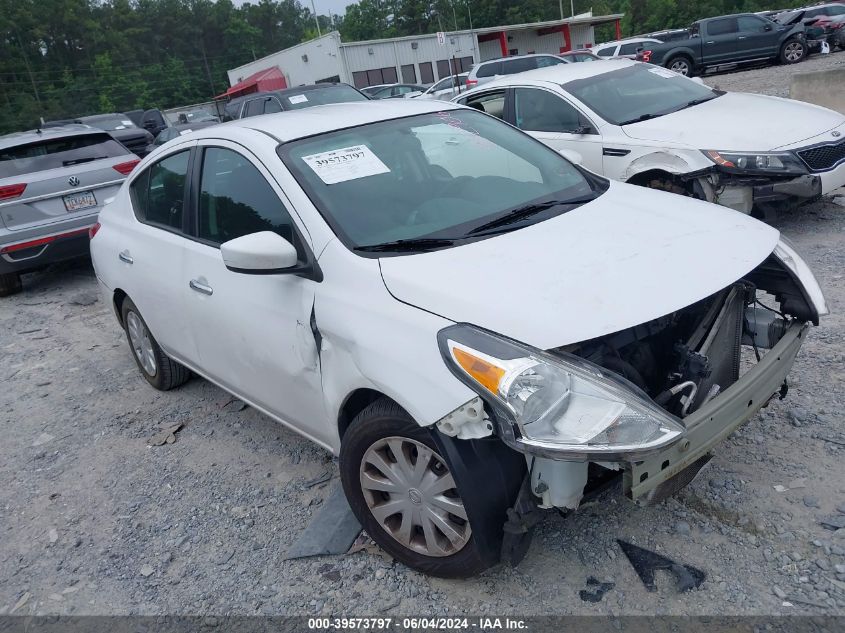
x=124 y=257
x=742 y=37
x=711 y=42
x=200 y=287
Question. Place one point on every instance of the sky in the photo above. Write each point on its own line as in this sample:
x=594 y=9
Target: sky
x=336 y=7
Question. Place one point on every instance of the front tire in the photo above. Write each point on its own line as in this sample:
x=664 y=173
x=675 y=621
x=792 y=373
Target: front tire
x=404 y=494
x=793 y=51
x=158 y=368
x=10 y=284
x=681 y=65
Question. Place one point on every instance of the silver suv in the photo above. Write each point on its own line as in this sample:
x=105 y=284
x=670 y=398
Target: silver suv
x=490 y=70
x=53 y=182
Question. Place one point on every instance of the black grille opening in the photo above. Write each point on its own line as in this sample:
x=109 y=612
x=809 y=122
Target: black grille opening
x=824 y=156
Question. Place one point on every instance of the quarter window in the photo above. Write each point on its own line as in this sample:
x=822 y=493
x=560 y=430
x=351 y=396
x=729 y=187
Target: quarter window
x=236 y=200
x=607 y=52
x=158 y=194
x=542 y=111
x=630 y=48
x=489 y=102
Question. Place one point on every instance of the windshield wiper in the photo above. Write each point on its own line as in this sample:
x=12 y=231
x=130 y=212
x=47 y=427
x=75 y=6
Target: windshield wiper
x=79 y=161
x=411 y=244
x=524 y=212
x=643 y=117
x=695 y=102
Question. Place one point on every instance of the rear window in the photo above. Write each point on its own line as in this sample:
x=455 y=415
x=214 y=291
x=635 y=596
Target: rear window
x=321 y=96
x=57 y=152
x=488 y=70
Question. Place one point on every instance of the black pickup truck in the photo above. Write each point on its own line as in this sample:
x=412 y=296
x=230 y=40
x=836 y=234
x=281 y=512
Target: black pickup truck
x=727 y=41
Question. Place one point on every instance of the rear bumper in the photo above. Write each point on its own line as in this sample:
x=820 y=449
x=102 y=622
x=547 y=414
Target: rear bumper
x=651 y=479
x=33 y=254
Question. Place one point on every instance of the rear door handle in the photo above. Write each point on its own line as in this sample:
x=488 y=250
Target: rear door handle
x=200 y=287
x=124 y=257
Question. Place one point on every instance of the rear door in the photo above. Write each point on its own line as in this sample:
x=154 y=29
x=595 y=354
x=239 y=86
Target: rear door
x=550 y=118
x=60 y=180
x=756 y=37
x=719 y=42
x=151 y=250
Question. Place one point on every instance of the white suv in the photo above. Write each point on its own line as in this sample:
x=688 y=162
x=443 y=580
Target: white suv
x=442 y=301
x=490 y=70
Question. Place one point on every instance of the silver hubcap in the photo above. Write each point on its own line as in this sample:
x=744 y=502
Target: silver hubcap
x=411 y=493
x=141 y=343
x=680 y=66
x=794 y=51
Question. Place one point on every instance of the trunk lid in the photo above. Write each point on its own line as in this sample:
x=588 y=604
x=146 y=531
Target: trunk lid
x=628 y=257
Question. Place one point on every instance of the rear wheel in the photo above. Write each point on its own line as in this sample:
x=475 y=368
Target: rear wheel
x=10 y=283
x=403 y=492
x=156 y=366
x=793 y=51
x=681 y=65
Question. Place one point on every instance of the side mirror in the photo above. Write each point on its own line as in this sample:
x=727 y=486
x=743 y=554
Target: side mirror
x=571 y=155
x=263 y=253
x=767 y=27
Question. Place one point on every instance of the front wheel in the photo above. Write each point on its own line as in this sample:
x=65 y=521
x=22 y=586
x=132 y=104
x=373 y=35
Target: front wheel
x=404 y=494
x=793 y=51
x=681 y=65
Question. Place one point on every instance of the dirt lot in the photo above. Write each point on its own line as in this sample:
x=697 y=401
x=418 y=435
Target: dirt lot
x=94 y=521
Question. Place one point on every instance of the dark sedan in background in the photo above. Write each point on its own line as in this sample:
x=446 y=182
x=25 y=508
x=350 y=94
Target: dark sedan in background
x=290 y=99
x=121 y=127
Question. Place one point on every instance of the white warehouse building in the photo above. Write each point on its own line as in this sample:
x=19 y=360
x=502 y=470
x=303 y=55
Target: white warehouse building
x=418 y=59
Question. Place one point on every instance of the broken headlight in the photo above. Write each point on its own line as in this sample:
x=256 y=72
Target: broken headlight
x=556 y=405
x=757 y=162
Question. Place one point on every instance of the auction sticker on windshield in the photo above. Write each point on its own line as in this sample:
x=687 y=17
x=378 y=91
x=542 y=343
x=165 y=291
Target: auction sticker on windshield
x=298 y=99
x=347 y=163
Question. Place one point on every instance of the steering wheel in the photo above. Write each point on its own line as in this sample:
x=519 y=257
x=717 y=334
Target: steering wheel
x=445 y=191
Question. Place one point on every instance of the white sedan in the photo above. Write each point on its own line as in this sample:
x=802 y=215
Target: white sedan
x=467 y=319
x=649 y=126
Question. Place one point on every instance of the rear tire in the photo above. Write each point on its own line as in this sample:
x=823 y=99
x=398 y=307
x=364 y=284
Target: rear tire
x=381 y=470
x=682 y=65
x=10 y=284
x=156 y=366
x=792 y=51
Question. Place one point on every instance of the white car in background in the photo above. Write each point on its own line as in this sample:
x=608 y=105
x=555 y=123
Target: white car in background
x=444 y=89
x=626 y=49
x=442 y=301
x=650 y=126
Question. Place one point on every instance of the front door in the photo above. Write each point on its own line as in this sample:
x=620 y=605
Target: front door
x=720 y=44
x=756 y=37
x=551 y=119
x=252 y=332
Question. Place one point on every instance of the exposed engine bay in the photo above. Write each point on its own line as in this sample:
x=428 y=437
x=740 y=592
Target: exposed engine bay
x=685 y=359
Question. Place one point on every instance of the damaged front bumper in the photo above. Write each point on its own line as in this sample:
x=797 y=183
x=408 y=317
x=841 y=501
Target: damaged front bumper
x=662 y=474
x=743 y=193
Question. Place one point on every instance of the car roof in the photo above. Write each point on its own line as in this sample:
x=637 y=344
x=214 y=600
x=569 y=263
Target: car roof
x=31 y=136
x=101 y=117
x=502 y=59
x=295 y=124
x=560 y=74
x=627 y=40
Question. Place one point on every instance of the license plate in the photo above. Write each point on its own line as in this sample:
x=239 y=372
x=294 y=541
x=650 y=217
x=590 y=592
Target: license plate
x=80 y=201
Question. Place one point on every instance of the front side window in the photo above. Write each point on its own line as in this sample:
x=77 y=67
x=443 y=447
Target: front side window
x=254 y=108
x=431 y=176
x=158 y=194
x=272 y=106
x=541 y=111
x=235 y=200
x=637 y=93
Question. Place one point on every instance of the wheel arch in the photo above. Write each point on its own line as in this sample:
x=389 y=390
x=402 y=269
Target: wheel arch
x=118 y=296
x=355 y=402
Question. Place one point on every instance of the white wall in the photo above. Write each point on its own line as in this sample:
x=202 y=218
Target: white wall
x=324 y=60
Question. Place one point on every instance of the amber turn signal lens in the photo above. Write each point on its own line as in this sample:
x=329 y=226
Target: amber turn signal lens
x=484 y=372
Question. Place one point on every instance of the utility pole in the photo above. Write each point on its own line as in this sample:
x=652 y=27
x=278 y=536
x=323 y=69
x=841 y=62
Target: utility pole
x=28 y=68
x=207 y=70
x=316 y=19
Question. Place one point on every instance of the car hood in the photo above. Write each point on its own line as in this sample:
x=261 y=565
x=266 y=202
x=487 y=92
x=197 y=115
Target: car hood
x=739 y=122
x=628 y=257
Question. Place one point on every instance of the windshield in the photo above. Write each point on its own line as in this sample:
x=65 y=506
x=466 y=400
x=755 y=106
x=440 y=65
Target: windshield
x=638 y=92
x=109 y=123
x=433 y=176
x=321 y=96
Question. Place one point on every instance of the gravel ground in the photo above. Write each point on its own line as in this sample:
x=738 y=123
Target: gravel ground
x=773 y=80
x=95 y=521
